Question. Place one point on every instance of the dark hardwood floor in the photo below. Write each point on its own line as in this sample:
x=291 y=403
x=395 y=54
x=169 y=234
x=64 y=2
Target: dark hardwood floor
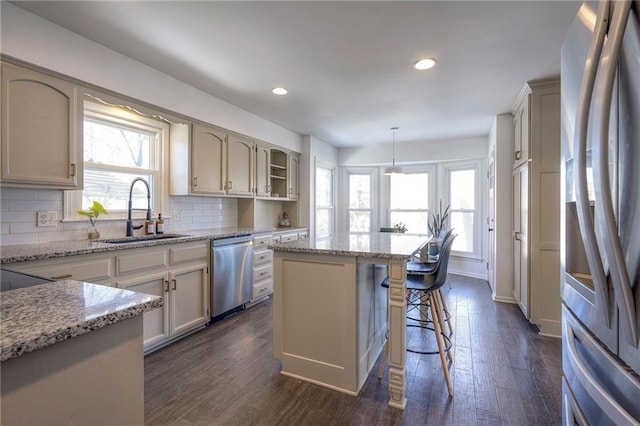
x=504 y=373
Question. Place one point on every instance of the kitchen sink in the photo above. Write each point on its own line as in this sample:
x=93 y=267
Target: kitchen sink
x=138 y=239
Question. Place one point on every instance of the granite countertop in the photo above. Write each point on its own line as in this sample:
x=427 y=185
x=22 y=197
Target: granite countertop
x=384 y=245
x=26 y=252
x=42 y=315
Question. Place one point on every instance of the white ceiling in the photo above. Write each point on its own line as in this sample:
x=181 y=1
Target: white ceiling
x=347 y=65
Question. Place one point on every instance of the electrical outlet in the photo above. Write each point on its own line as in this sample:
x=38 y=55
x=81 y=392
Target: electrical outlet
x=47 y=219
x=176 y=215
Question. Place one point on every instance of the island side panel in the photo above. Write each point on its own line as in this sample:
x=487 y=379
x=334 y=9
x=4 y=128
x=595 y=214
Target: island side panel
x=397 y=333
x=315 y=318
x=96 y=378
x=372 y=316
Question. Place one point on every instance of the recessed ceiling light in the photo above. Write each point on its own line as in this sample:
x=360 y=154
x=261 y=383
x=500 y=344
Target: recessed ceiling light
x=279 y=91
x=424 y=64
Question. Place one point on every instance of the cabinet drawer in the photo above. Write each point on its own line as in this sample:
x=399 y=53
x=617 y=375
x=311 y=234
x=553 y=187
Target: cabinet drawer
x=262 y=289
x=90 y=271
x=303 y=235
x=262 y=273
x=285 y=238
x=187 y=254
x=261 y=242
x=262 y=257
x=131 y=262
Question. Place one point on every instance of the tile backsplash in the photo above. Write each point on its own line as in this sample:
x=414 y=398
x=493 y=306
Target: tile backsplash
x=19 y=207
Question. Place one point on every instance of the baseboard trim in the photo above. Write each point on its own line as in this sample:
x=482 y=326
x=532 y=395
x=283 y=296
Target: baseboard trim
x=468 y=274
x=503 y=299
x=550 y=328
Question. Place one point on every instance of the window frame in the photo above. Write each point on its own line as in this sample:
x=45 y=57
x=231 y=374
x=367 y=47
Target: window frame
x=429 y=169
x=331 y=208
x=374 y=199
x=127 y=117
x=476 y=166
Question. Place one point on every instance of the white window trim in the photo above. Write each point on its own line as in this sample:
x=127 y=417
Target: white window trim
x=332 y=168
x=444 y=190
x=373 y=172
x=126 y=116
x=431 y=169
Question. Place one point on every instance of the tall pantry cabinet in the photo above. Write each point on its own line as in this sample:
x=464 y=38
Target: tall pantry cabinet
x=536 y=204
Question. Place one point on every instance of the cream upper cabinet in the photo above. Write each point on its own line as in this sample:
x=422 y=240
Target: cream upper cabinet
x=521 y=128
x=208 y=174
x=239 y=165
x=263 y=162
x=221 y=163
x=41 y=130
x=293 y=176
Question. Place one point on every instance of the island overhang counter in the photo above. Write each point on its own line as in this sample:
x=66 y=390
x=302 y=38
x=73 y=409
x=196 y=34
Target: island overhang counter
x=331 y=315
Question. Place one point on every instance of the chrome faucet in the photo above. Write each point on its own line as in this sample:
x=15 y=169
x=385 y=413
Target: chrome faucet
x=130 y=226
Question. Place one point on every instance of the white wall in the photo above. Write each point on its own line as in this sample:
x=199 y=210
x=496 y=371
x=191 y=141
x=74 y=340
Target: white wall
x=415 y=152
x=501 y=139
x=30 y=38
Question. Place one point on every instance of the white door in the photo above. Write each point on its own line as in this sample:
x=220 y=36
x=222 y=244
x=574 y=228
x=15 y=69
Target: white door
x=520 y=232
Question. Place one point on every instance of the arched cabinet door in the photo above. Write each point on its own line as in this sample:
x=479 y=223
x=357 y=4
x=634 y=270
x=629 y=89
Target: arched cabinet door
x=41 y=130
x=240 y=165
x=207 y=160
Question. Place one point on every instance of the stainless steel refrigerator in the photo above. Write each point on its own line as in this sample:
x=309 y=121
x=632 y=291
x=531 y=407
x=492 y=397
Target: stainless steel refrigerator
x=601 y=215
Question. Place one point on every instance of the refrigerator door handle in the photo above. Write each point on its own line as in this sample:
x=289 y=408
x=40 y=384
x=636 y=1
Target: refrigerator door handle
x=600 y=396
x=585 y=220
x=604 y=204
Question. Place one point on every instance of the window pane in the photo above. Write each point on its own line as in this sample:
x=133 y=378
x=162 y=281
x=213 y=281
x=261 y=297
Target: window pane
x=410 y=191
x=462 y=189
x=324 y=187
x=462 y=222
x=323 y=222
x=359 y=191
x=112 y=189
x=116 y=145
x=359 y=221
x=416 y=222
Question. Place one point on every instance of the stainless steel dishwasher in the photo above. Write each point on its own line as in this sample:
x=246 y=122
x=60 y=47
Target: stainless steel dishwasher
x=232 y=278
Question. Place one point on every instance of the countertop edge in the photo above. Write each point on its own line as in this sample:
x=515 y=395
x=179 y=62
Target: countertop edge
x=46 y=339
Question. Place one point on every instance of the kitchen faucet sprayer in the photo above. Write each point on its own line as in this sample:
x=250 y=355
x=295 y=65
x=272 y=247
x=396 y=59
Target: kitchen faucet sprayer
x=130 y=226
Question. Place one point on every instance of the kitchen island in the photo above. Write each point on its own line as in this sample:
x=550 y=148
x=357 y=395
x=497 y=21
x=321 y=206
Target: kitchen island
x=331 y=315
x=71 y=353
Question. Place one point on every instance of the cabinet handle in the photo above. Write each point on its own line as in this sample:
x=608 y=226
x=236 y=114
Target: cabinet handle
x=230 y=185
x=290 y=191
x=516 y=235
x=195 y=181
x=518 y=155
x=166 y=286
x=73 y=169
x=268 y=188
x=262 y=257
x=174 y=284
x=62 y=277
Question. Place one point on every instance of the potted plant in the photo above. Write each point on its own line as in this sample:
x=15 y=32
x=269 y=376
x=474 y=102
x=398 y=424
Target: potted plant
x=92 y=213
x=400 y=227
x=437 y=225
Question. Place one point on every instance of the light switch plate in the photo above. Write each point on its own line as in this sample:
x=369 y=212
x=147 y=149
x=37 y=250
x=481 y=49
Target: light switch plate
x=47 y=219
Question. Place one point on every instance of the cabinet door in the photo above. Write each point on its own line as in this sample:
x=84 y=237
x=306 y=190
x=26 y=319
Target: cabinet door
x=294 y=166
x=520 y=238
x=156 y=322
x=38 y=108
x=189 y=298
x=207 y=160
x=239 y=166
x=263 y=162
x=521 y=129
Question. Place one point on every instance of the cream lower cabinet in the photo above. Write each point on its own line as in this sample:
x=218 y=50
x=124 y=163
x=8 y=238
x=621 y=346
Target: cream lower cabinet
x=262 y=266
x=179 y=273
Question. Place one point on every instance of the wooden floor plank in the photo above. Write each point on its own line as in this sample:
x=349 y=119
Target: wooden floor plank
x=226 y=375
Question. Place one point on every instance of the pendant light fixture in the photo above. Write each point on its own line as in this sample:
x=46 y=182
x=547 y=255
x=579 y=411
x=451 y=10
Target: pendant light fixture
x=393 y=170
